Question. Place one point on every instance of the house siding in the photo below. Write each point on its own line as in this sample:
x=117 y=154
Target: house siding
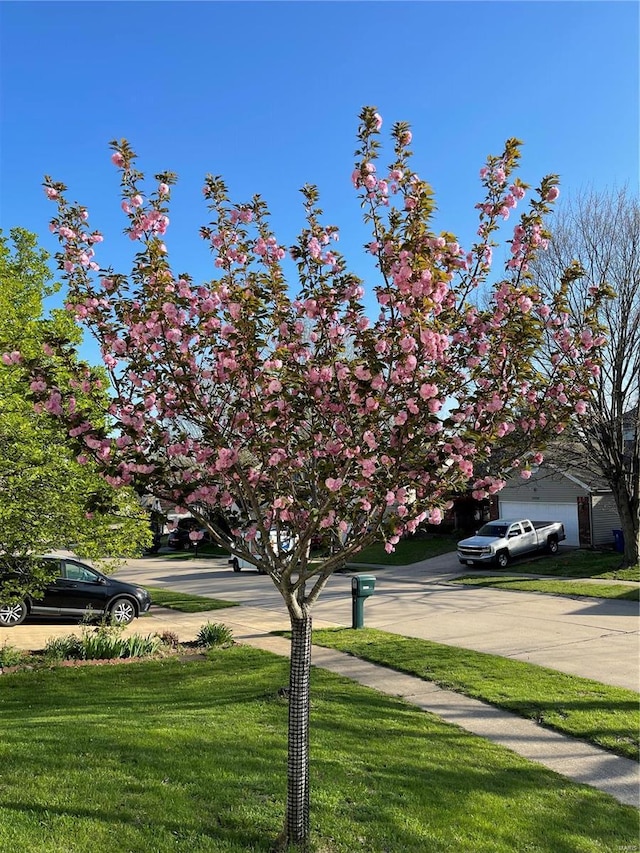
x=604 y=519
x=544 y=487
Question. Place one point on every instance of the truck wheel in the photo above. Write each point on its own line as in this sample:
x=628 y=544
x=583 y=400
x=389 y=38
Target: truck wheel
x=502 y=559
x=552 y=545
x=235 y=565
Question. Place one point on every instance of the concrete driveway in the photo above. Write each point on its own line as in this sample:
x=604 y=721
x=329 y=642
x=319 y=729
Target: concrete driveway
x=596 y=639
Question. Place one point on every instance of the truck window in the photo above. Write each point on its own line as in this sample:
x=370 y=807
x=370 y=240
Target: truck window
x=495 y=531
x=527 y=527
x=514 y=530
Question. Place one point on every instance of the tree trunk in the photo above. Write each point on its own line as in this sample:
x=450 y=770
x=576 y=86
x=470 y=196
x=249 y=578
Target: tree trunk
x=296 y=827
x=629 y=524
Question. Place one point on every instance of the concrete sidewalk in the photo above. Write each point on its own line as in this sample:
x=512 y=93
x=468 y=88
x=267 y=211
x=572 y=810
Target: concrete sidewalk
x=581 y=762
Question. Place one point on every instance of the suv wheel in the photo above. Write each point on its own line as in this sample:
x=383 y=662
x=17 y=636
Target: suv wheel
x=13 y=614
x=122 y=611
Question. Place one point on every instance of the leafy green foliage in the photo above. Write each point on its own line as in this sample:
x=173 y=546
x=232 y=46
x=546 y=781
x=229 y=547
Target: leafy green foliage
x=11 y=656
x=63 y=648
x=105 y=642
x=49 y=500
x=214 y=634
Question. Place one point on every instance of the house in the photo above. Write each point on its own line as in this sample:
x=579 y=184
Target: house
x=582 y=501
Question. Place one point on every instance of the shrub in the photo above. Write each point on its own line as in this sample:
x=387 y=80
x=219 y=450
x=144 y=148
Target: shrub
x=106 y=642
x=137 y=646
x=64 y=648
x=169 y=638
x=102 y=643
x=214 y=634
x=11 y=656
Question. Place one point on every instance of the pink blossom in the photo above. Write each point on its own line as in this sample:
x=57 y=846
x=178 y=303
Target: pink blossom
x=50 y=192
x=117 y=159
x=163 y=189
x=332 y=484
x=314 y=247
x=54 y=403
x=378 y=120
x=427 y=390
x=581 y=407
x=552 y=194
x=525 y=474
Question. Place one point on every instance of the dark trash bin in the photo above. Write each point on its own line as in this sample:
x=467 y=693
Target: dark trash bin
x=618 y=541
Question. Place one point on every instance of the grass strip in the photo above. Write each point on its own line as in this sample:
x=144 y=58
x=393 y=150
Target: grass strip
x=176 y=757
x=579 y=564
x=608 y=717
x=407 y=551
x=186 y=603
x=621 y=592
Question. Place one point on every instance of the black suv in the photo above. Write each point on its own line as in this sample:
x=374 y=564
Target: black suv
x=79 y=590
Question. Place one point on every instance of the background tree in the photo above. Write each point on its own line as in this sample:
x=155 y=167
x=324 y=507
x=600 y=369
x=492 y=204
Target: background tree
x=297 y=413
x=48 y=500
x=601 y=232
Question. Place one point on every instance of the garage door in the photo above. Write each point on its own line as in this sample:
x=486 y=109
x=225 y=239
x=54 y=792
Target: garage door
x=539 y=511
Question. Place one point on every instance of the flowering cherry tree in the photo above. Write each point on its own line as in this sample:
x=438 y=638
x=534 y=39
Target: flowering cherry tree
x=285 y=413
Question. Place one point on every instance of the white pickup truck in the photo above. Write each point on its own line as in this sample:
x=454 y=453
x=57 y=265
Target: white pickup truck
x=501 y=540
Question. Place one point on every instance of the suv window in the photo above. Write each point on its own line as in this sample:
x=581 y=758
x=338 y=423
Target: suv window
x=76 y=572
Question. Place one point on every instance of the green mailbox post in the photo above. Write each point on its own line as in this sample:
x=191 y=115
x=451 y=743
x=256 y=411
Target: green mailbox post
x=362 y=586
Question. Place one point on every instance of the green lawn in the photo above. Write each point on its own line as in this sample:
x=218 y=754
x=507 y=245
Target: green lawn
x=189 y=757
x=185 y=602
x=625 y=592
x=578 y=564
x=407 y=551
x=608 y=717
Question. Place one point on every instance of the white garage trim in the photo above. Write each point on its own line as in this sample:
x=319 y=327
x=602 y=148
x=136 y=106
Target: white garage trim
x=567 y=513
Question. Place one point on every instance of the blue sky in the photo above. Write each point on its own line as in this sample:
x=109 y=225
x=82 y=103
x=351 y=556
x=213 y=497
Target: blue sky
x=268 y=93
